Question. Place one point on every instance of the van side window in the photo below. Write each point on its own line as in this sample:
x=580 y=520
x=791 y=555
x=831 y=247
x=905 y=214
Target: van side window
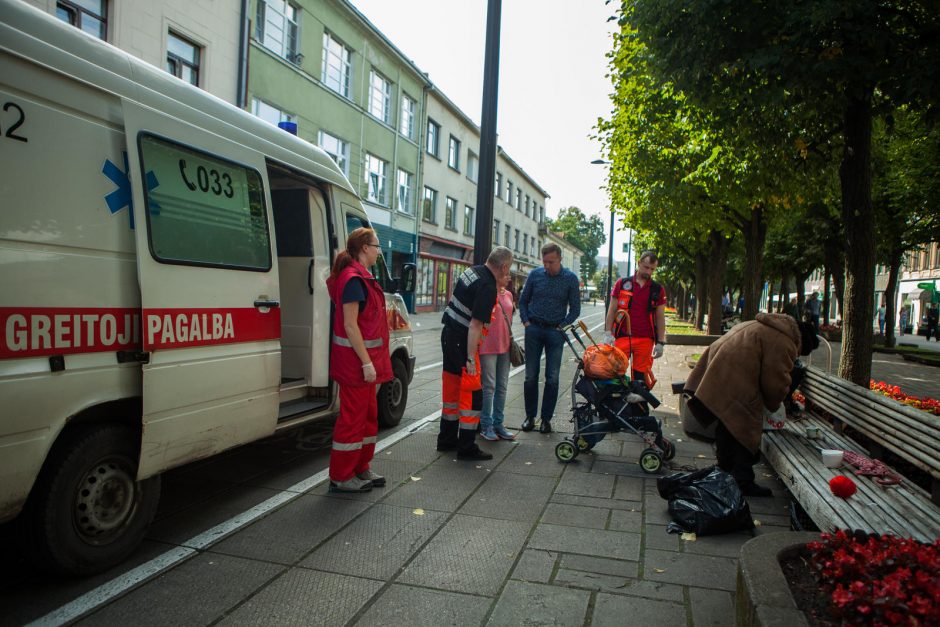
x=203 y=210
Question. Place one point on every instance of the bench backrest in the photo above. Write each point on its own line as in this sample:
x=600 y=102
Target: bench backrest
x=910 y=433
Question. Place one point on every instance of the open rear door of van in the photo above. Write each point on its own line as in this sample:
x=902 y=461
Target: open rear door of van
x=210 y=320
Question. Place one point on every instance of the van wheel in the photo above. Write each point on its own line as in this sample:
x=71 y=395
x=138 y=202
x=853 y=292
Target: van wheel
x=87 y=512
x=393 y=396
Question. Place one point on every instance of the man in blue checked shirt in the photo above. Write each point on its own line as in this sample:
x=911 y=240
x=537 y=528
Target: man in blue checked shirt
x=549 y=301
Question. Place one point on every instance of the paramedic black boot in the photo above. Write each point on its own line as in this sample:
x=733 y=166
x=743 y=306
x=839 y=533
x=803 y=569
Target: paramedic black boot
x=447 y=438
x=467 y=448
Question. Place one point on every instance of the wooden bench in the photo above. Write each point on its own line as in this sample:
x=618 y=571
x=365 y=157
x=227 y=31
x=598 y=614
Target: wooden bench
x=913 y=435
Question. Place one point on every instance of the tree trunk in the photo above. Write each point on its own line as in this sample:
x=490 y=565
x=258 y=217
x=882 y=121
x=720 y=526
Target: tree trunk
x=801 y=293
x=783 y=298
x=683 y=304
x=718 y=259
x=858 y=218
x=825 y=302
x=890 y=297
x=755 y=235
x=770 y=296
x=701 y=289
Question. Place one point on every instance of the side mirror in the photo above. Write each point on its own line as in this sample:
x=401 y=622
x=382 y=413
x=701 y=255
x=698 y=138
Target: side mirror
x=405 y=284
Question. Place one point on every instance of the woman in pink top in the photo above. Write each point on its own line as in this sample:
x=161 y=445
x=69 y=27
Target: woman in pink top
x=494 y=368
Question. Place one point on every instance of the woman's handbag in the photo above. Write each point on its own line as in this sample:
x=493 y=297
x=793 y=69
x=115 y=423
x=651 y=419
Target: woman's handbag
x=516 y=352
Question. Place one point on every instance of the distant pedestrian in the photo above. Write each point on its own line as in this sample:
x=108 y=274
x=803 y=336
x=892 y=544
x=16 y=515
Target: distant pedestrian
x=740 y=310
x=494 y=366
x=902 y=321
x=469 y=309
x=812 y=308
x=792 y=309
x=881 y=319
x=359 y=361
x=549 y=301
x=932 y=317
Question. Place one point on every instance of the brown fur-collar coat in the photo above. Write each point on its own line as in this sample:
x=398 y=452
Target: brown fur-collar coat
x=743 y=372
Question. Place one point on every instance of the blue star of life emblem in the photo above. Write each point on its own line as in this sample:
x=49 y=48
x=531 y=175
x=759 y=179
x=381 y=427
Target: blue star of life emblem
x=121 y=197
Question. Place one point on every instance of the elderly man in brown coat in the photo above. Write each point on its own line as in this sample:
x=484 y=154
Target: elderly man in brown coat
x=737 y=377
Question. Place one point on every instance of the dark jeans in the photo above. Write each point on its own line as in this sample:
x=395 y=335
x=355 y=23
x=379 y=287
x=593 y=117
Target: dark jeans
x=552 y=341
x=734 y=458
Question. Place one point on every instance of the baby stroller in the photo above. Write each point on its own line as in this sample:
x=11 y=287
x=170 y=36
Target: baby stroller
x=610 y=406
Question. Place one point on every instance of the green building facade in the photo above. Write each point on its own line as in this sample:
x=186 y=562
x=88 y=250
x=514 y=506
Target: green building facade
x=321 y=65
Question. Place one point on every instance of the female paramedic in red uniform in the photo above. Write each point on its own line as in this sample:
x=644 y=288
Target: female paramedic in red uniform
x=359 y=361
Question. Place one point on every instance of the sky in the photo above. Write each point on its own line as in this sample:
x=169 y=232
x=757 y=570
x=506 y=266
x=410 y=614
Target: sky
x=552 y=82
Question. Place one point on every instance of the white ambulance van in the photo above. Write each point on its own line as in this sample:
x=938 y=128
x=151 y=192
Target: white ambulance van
x=163 y=258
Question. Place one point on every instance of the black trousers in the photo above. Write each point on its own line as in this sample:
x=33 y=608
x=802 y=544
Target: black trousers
x=733 y=457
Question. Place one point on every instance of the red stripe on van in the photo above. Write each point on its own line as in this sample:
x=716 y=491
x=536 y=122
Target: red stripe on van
x=179 y=328
x=41 y=331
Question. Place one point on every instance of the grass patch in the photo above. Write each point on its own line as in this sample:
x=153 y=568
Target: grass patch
x=674 y=326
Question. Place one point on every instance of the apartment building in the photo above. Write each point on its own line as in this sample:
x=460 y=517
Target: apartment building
x=322 y=66
x=448 y=208
x=920 y=266
x=196 y=40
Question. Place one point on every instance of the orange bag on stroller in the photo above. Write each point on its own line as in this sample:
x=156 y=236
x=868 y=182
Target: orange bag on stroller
x=603 y=361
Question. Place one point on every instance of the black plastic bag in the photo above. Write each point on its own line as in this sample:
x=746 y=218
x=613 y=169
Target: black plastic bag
x=705 y=502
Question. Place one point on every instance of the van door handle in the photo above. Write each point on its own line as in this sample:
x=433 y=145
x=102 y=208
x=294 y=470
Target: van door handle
x=310 y=276
x=267 y=303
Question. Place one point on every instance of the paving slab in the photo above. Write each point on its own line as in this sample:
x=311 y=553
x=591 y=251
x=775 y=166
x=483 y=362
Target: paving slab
x=599 y=565
x=711 y=608
x=590 y=501
x=598 y=542
x=613 y=610
x=378 y=543
x=396 y=473
x=408 y=605
x=305 y=597
x=704 y=571
x=288 y=534
x=510 y=496
x=622 y=520
x=576 y=516
x=628 y=489
x=524 y=603
x=535 y=565
x=656 y=537
x=441 y=486
x=470 y=554
x=197 y=592
x=530 y=458
x=586 y=484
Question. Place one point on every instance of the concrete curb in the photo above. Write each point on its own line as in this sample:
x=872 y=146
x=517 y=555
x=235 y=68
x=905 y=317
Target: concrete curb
x=763 y=596
x=691 y=340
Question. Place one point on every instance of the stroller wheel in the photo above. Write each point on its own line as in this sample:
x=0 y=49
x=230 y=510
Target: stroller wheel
x=669 y=449
x=566 y=451
x=583 y=445
x=650 y=461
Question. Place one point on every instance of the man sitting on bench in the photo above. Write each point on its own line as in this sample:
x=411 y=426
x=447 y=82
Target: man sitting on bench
x=740 y=374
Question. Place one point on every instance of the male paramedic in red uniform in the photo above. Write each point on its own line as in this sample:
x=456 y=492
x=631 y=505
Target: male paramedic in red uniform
x=469 y=309
x=636 y=318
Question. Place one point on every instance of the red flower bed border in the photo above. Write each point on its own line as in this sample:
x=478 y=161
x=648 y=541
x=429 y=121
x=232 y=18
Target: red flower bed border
x=880 y=580
x=927 y=404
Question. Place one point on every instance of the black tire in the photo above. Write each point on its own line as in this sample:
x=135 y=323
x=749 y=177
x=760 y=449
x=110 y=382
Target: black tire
x=669 y=449
x=651 y=462
x=393 y=396
x=583 y=445
x=87 y=512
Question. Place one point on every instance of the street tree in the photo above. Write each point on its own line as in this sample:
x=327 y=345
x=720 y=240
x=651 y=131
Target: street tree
x=585 y=232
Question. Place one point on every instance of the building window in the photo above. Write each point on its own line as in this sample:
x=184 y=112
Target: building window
x=89 y=15
x=182 y=58
x=429 y=206
x=375 y=179
x=518 y=199
x=527 y=201
x=277 y=28
x=407 y=117
x=269 y=113
x=434 y=138
x=525 y=244
x=405 y=191
x=499 y=184
x=453 y=153
x=515 y=246
x=336 y=148
x=380 y=96
x=450 y=213
x=495 y=232
x=473 y=166
x=468 y=220
x=337 y=65
x=506 y=236
x=509 y=188
x=424 y=291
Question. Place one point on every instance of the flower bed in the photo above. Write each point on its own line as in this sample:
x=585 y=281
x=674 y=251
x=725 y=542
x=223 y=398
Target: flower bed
x=872 y=579
x=927 y=404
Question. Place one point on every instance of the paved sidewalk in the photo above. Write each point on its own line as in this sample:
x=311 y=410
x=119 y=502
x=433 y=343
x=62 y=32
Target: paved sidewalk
x=522 y=539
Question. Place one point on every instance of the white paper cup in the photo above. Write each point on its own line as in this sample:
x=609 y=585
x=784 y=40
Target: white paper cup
x=832 y=458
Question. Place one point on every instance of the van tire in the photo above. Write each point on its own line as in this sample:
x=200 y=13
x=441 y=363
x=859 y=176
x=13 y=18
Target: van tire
x=393 y=396
x=87 y=512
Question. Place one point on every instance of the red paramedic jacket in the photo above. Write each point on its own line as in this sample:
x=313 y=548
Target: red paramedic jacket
x=345 y=365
